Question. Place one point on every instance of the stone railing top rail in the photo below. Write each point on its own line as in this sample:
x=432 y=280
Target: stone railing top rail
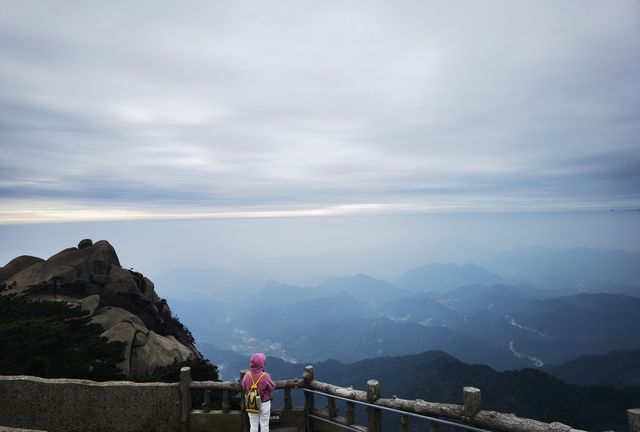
x=85 y=382
x=295 y=383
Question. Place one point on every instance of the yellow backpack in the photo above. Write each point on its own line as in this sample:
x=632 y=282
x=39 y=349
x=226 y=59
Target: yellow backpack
x=252 y=400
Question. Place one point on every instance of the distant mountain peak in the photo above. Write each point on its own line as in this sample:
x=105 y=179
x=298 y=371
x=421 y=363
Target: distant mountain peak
x=445 y=277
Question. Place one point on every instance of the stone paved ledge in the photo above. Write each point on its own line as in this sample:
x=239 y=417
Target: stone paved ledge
x=11 y=429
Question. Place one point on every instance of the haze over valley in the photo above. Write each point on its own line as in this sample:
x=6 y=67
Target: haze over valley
x=468 y=311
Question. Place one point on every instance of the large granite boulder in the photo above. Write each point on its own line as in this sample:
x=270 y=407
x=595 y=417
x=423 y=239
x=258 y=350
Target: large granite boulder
x=69 y=266
x=145 y=348
x=124 y=302
x=16 y=265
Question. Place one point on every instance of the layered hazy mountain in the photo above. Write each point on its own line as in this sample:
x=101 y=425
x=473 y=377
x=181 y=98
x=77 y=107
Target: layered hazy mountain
x=443 y=277
x=474 y=313
x=578 y=269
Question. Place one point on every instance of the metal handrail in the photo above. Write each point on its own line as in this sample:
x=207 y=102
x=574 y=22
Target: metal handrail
x=383 y=408
x=335 y=423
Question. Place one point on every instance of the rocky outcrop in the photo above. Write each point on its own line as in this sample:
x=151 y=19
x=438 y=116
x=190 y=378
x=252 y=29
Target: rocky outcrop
x=16 y=265
x=124 y=302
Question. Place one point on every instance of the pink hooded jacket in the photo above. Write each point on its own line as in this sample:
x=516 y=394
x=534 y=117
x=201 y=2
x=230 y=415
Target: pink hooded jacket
x=265 y=385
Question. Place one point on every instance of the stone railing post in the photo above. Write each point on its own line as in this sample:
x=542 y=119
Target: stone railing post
x=185 y=395
x=634 y=419
x=471 y=403
x=245 y=418
x=373 y=394
x=226 y=401
x=206 y=405
x=288 y=405
x=309 y=400
x=331 y=407
x=351 y=413
x=404 y=423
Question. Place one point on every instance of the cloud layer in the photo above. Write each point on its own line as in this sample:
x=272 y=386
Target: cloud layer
x=210 y=109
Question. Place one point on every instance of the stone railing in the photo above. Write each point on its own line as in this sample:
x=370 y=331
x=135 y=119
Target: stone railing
x=70 y=405
x=73 y=405
x=468 y=416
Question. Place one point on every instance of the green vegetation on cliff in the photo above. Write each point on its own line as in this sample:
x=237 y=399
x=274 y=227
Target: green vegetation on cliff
x=201 y=370
x=54 y=340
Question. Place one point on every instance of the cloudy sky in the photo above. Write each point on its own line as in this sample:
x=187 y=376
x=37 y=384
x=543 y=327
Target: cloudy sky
x=128 y=110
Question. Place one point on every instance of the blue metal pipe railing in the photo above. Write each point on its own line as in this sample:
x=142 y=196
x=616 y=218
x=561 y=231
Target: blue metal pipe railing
x=382 y=408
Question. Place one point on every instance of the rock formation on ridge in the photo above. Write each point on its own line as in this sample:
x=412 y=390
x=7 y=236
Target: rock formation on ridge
x=124 y=302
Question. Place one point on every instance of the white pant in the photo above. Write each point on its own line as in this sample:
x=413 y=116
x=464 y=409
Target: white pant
x=263 y=417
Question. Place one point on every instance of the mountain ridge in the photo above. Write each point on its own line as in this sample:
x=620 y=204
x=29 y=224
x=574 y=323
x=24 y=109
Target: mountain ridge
x=444 y=277
x=619 y=368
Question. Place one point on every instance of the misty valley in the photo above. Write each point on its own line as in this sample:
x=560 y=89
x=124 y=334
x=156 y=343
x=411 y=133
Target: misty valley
x=469 y=312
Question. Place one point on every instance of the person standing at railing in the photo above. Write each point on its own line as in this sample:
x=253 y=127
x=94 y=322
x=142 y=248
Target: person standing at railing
x=265 y=385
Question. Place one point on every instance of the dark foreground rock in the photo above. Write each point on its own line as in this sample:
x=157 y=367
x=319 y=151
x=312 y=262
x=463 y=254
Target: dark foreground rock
x=124 y=302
